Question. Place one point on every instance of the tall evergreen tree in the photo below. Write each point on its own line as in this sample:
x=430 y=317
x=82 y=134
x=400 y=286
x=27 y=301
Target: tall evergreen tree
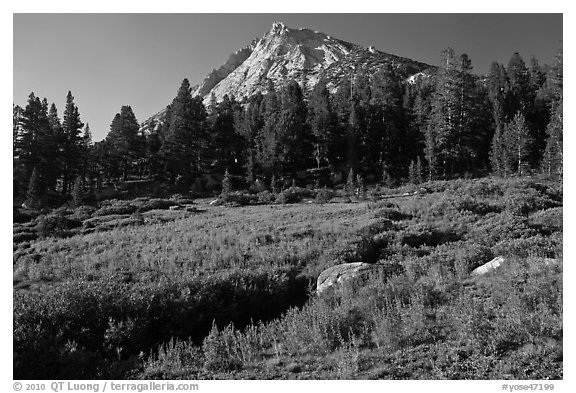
x=34 y=194
x=185 y=138
x=124 y=144
x=267 y=141
x=72 y=142
x=322 y=120
x=519 y=141
x=553 y=156
x=295 y=142
x=227 y=144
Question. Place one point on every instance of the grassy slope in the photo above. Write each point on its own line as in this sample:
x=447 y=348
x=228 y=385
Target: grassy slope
x=430 y=322
x=215 y=239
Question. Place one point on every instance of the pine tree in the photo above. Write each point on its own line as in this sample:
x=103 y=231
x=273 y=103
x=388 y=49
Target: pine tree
x=360 y=187
x=322 y=120
x=412 y=173
x=450 y=139
x=386 y=138
x=78 y=193
x=267 y=140
x=34 y=192
x=419 y=171
x=227 y=143
x=553 y=156
x=519 y=97
x=123 y=143
x=72 y=142
x=498 y=154
x=226 y=184
x=185 y=137
x=519 y=142
x=387 y=180
x=295 y=141
x=275 y=185
x=350 y=185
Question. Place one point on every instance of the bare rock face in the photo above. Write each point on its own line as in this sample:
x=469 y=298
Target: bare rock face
x=217 y=75
x=280 y=55
x=346 y=272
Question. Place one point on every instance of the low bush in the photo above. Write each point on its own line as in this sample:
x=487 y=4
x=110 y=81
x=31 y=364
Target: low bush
x=294 y=195
x=82 y=213
x=109 y=320
x=55 y=225
x=24 y=237
x=21 y=215
x=115 y=206
x=266 y=197
x=324 y=195
x=528 y=197
x=237 y=198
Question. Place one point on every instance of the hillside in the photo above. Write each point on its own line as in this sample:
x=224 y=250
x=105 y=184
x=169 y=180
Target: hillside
x=135 y=295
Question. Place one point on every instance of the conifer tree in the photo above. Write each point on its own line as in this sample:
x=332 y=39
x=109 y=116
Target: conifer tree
x=350 y=184
x=185 y=139
x=322 y=120
x=34 y=192
x=553 y=156
x=519 y=142
x=412 y=173
x=77 y=192
x=72 y=142
x=226 y=184
x=267 y=141
x=295 y=144
x=419 y=171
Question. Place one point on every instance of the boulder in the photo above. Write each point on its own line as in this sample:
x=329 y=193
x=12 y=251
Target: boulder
x=488 y=267
x=347 y=272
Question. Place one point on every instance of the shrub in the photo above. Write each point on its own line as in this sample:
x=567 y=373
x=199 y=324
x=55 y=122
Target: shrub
x=527 y=198
x=548 y=221
x=111 y=319
x=56 y=225
x=20 y=215
x=236 y=198
x=156 y=204
x=24 y=237
x=294 y=195
x=324 y=195
x=266 y=197
x=82 y=213
x=115 y=206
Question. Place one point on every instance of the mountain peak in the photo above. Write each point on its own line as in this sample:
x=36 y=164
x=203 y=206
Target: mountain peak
x=284 y=54
x=279 y=28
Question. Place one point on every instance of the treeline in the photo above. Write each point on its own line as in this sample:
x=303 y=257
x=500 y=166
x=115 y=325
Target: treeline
x=436 y=125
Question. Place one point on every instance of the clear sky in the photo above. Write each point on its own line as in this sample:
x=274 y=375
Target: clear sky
x=110 y=60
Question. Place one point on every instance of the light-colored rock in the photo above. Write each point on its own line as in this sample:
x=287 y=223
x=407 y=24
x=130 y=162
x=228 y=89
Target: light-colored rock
x=345 y=272
x=340 y=273
x=488 y=267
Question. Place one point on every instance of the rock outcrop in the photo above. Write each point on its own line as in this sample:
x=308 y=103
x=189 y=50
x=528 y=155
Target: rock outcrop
x=347 y=272
x=488 y=267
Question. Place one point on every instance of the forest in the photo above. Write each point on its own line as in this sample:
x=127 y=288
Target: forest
x=443 y=124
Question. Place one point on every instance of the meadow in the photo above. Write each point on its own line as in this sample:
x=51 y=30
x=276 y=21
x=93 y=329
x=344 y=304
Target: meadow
x=182 y=289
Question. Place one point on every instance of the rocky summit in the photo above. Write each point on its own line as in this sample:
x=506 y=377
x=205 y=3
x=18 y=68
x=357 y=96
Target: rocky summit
x=301 y=54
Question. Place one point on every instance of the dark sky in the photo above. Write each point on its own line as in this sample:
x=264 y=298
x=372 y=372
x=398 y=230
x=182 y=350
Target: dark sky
x=110 y=60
